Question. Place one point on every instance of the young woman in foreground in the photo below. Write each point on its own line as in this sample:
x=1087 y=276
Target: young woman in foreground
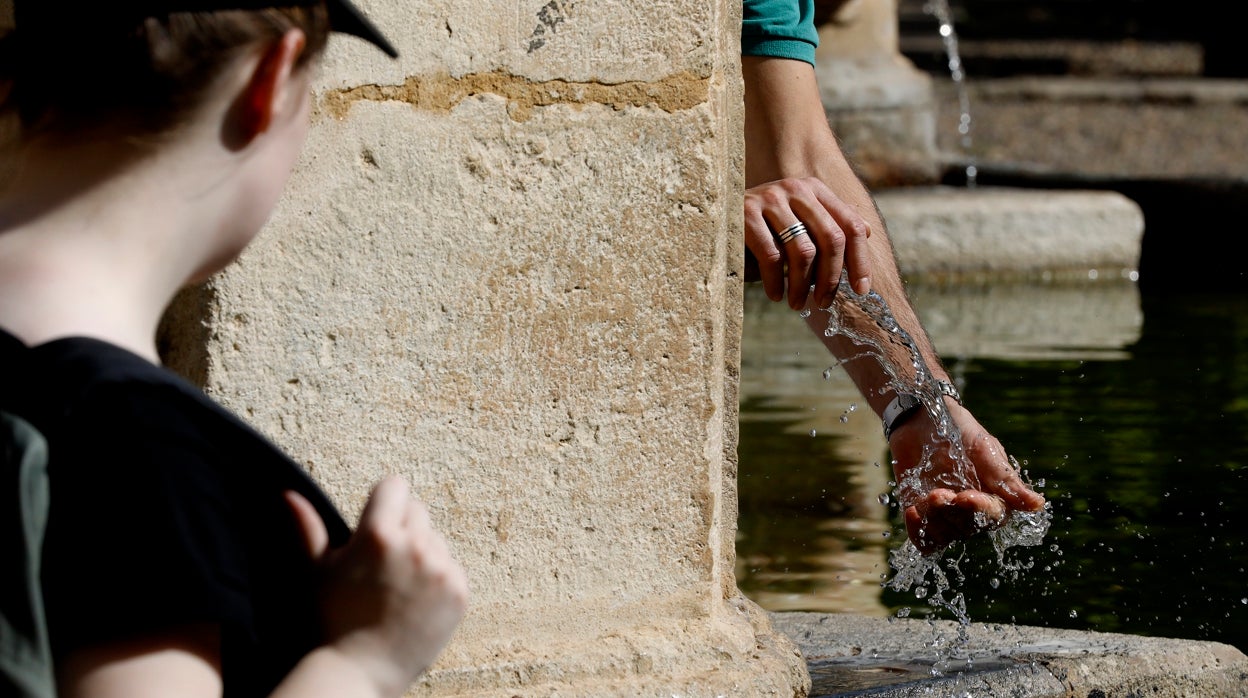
x=145 y=144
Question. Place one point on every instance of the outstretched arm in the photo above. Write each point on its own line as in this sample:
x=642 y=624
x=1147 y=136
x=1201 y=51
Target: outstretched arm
x=954 y=481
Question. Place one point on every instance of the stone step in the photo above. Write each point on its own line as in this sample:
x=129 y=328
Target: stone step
x=989 y=233
x=853 y=655
x=1065 y=57
x=1127 y=129
x=1173 y=146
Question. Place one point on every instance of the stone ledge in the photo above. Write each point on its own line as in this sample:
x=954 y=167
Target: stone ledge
x=852 y=655
x=1123 y=128
x=995 y=232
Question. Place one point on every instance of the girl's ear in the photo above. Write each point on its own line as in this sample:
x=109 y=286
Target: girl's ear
x=267 y=91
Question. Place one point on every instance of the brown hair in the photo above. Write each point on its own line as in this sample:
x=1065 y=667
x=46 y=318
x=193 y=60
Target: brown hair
x=145 y=76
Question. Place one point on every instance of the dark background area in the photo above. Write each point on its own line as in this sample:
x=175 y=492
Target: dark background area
x=1192 y=223
x=1208 y=24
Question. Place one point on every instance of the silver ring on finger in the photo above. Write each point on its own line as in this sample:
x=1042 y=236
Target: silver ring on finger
x=792 y=232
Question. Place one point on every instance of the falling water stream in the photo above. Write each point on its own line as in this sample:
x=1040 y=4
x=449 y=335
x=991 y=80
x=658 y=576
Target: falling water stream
x=933 y=578
x=949 y=37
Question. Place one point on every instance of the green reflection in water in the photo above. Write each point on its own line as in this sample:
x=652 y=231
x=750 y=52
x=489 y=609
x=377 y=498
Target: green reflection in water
x=1142 y=456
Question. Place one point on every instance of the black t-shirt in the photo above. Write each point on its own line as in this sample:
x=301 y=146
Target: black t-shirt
x=166 y=510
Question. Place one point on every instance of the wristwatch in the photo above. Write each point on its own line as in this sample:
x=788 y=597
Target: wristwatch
x=901 y=408
x=904 y=405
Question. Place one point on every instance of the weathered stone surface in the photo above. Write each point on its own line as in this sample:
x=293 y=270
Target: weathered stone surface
x=860 y=656
x=949 y=232
x=882 y=111
x=878 y=104
x=1088 y=320
x=1126 y=128
x=537 y=39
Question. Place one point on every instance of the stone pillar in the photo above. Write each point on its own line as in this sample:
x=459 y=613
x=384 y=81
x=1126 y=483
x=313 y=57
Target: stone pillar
x=507 y=267
x=878 y=103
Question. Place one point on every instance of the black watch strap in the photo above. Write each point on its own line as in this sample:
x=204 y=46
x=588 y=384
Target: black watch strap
x=901 y=408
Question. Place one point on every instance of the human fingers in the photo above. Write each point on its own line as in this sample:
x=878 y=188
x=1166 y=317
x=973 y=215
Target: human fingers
x=799 y=253
x=418 y=527
x=311 y=526
x=400 y=593
x=826 y=237
x=997 y=475
x=437 y=586
x=780 y=239
x=432 y=554
x=387 y=506
x=782 y=201
x=760 y=241
x=945 y=516
x=856 y=231
x=444 y=574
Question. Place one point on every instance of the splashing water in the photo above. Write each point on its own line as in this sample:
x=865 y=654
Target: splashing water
x=934 y=578
x=944 y=16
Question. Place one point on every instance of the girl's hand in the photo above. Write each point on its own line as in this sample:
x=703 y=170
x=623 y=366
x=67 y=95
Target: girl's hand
x=393 y=595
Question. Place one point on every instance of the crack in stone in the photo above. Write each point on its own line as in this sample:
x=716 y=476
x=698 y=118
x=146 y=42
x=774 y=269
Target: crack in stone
x=442 y=92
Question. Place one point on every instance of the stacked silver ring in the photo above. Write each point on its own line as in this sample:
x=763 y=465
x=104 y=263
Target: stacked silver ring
x=798 y=228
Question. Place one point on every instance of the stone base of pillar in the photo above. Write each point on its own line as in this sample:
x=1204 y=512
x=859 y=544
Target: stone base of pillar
x=736 y=652
x=882 y=110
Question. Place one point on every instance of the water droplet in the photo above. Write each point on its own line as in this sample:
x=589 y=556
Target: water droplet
x=883 y=498
x=920 y=592
x=1074 y=613
x=903 y=612
x=813 y=433
x=994 y=583
x=804 y=313
x=827 y=373
x=886 y=534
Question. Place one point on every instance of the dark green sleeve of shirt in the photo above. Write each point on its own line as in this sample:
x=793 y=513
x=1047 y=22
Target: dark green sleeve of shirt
x=780 y=29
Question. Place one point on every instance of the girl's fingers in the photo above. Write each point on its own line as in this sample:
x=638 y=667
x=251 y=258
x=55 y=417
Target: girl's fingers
x=387 y=505
x=311 y=526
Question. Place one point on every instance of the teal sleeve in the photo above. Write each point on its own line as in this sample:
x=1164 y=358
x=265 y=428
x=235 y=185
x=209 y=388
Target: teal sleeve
x=780 y=29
